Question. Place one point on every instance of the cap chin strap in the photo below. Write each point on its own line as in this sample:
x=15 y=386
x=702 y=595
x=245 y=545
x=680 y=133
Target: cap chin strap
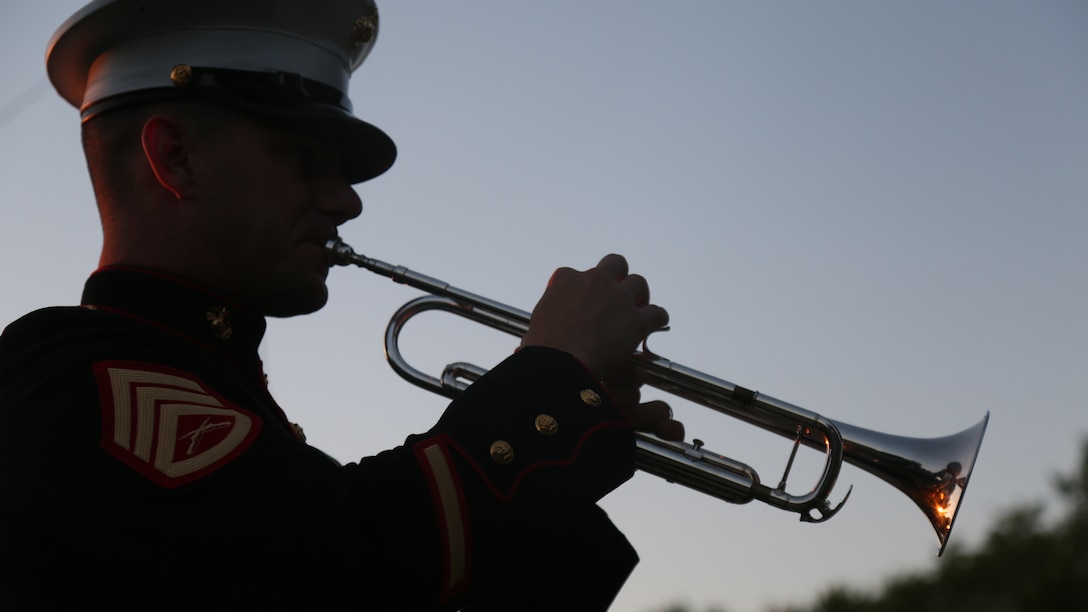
x=273 y=91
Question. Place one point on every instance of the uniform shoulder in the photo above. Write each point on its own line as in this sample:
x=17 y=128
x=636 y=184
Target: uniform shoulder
x=46 y=330
x=46 y=320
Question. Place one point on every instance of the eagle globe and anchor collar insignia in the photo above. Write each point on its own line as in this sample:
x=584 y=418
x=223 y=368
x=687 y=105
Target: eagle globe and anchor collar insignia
x=219 y=319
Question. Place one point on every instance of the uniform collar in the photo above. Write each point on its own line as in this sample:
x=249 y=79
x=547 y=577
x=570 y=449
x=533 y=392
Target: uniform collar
x=177 y=306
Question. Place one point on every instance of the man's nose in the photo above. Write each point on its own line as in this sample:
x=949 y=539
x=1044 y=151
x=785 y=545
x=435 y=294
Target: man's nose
x=340 y=202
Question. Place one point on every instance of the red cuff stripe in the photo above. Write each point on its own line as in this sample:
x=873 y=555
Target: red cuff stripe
x=449 y=500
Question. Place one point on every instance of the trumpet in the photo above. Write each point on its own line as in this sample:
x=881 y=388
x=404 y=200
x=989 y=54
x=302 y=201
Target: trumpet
x=932 y=472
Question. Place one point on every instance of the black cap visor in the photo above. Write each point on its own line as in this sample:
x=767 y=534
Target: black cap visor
x=366 y=150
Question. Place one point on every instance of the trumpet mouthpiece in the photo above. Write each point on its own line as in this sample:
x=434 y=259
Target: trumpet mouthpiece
x=338 y=253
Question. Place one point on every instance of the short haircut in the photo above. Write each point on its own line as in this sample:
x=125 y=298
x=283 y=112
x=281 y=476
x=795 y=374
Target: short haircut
x=112 y=140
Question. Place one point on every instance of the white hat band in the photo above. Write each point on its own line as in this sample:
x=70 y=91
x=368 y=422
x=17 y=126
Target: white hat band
x=146 y=62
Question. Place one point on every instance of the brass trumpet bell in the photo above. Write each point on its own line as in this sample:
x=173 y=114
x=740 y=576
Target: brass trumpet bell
x=932 y=472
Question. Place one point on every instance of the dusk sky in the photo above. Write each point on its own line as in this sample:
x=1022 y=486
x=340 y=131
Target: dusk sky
x=875 y=210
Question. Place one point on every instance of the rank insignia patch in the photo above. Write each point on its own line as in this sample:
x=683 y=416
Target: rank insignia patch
x=167 y=424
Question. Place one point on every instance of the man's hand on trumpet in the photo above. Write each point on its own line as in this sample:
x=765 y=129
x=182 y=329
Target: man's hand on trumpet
x=601 y=316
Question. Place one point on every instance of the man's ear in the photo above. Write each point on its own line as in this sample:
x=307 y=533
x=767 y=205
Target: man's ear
x=168 y=153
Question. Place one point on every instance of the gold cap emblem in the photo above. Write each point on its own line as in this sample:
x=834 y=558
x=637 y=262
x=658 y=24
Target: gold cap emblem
x=364 y=28
x=181 y=75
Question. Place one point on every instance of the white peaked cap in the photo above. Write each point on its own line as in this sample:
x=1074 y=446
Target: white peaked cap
x=278 y=58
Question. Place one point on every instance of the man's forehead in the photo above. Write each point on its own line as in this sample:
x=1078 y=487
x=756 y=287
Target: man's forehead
x=321 y=146
x=284 y=130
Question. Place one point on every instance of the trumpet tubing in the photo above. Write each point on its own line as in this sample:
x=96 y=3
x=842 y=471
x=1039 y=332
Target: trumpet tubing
x=932 y=472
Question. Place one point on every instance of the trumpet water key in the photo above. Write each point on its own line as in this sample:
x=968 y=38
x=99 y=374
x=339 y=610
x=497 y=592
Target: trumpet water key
x=932 y=472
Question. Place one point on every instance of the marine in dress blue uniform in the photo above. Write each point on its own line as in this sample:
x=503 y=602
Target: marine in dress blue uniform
x=143 y=461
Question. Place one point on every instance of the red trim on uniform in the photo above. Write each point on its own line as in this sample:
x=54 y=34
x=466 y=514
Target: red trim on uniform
x=451 y=511
x=161 y=327
x=167 y=424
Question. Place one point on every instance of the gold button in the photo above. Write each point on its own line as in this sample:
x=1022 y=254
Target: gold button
x=546 y=424
x=181 y=75
x=591 y=397
x=502 y=452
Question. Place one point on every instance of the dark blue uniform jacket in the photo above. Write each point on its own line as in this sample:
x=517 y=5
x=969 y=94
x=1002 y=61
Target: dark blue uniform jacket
x=143 y=464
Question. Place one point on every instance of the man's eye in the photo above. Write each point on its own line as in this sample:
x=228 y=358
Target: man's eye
x=303 y=157
x=306 y=156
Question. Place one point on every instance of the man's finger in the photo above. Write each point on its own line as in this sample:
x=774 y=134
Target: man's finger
x=645 y=417
x=613 y=266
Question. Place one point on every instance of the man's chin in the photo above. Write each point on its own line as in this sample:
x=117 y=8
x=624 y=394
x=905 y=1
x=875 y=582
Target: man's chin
x=306 y=298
